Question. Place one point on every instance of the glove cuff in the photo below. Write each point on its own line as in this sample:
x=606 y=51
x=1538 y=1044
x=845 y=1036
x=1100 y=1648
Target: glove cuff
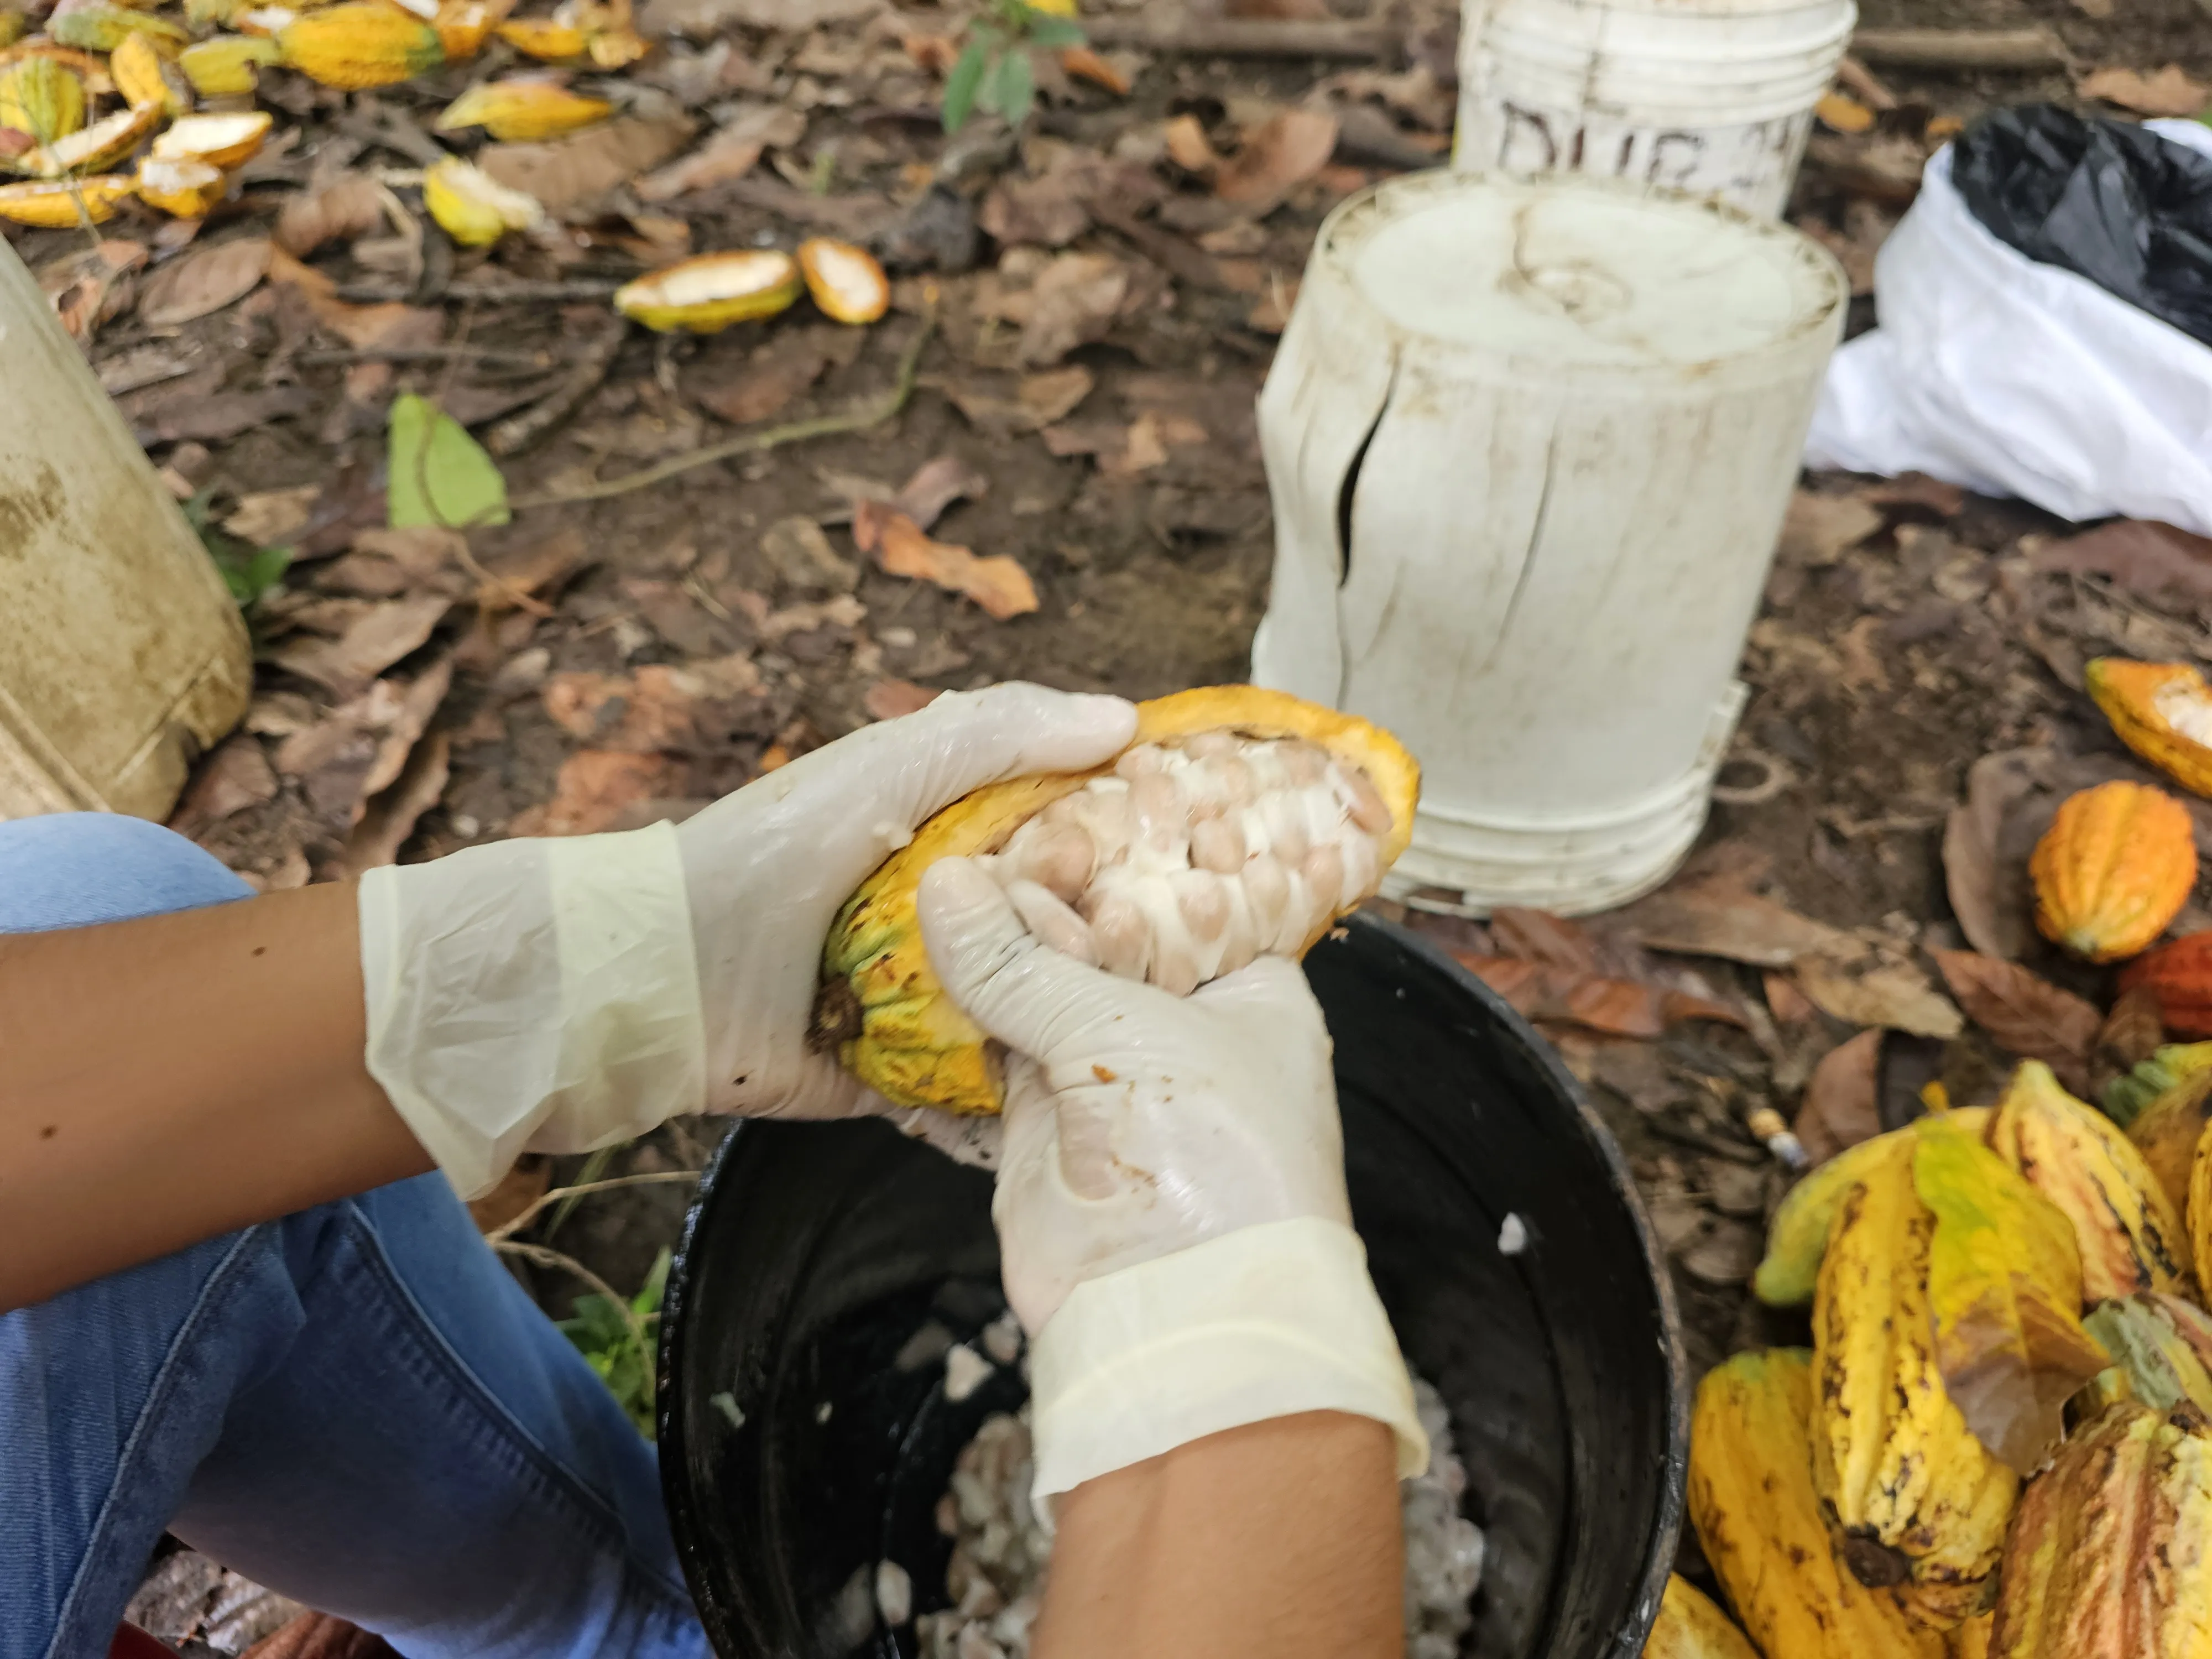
x=532 y=996
x=1265 y=1322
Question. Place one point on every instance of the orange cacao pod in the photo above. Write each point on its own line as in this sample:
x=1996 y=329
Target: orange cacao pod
x=2116 y=866
x=2180 y=975
x=2161 y=710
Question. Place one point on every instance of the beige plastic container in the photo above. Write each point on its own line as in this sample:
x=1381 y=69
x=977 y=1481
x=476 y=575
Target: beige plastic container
x=1530 y=442
x=121 y=653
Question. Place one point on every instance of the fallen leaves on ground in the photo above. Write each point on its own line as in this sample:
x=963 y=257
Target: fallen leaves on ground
x=2169 y=91
x=1985 y=856
x=1275 y=158
x=886 y=700
x=346 y=208
x=572 y=177
x=763 y=384
x=655 y=709
x=1894 y=994
x=1072 y=300
x=379 y=638
x=2131 y=1033
x=1842 y=1105
x=2026 y=1015
x=594 y=788
x=733 y=152
x=902 y=548
x=388 y=820
x=1818 y=529
x=204 y=281
x=1619 y=1007
x=1724 y=917
x=2156 y=561
x=360 y=748
x=936 y=485
x=999 y=408
x=236 y=777
x=439 y=474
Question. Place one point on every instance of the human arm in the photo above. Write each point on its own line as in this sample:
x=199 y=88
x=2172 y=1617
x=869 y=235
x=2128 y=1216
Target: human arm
x=528 y=995
x=1218 y=1402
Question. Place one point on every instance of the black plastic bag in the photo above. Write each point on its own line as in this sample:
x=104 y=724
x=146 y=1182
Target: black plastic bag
x=2114 y=203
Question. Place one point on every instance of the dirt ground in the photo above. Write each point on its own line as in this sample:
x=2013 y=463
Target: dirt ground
x=600 y=663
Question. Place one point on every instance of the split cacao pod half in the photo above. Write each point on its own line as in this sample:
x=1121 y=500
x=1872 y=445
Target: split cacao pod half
x=2108 y=1558
x=2113 y=870
x=2129 y=1233
x=1240 y=823
x=2166 y=1131
x=2161 y=710
x=2162 y=1349
x=1689 y=1626
x=1760 y=1525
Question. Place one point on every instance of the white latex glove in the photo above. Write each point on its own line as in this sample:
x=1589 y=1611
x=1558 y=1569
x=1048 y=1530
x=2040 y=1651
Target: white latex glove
x=1172 y=1220
x=558 y=995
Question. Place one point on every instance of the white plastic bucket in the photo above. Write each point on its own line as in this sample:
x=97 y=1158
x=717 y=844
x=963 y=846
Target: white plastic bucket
x=1713 y=97
x=1561 y=418
x=121 y=653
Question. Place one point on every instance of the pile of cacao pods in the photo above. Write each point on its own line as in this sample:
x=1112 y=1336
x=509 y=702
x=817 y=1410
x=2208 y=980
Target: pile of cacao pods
x=2000 y=1443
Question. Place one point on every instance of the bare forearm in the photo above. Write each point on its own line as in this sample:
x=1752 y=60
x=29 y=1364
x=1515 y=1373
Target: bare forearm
x=165 y=1080
x=1279 y=1539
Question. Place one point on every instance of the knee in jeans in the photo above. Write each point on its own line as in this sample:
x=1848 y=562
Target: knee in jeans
x=74 y=869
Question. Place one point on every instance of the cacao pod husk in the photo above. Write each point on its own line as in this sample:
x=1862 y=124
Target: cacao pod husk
x=1759 y=1521
x=2159 y=1346
x=1689 y=1626
x=2166 y=1131
x=2129 y=1233
x=2161 y=710
x=364 y=43
x=2108 y=1557
x=2113 y=870
x=2180 y=975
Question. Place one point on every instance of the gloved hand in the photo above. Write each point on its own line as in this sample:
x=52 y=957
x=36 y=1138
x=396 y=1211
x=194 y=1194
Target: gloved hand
x=1173 y=1226
x=558 y=995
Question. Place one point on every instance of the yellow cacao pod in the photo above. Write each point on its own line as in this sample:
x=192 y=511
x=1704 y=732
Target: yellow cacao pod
x=709 y=292
x=98 y=28
x=54 y=204
x=218 y=141
x=1689 y=1626
x=183 y=189
x=1919 y=1502
x=473 y=208
x=146 y=73
x=1759 y=1522
x=2129 y=1234
x=102 y=145
x=228 y=65
x=2115 y=867
x=552 y=39
x=1971 y=1639
x=2166 y=1131
x=2161 y=1345
x=881 y=1007
x=364 y=43
x=43 y=98
x=847 y=285
x=2108 y=1557
x=2161 y=710
x=523 y=111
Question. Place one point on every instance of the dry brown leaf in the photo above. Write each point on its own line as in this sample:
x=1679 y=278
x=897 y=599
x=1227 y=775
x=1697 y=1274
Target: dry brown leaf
x=2157 y=561
x=1048 y=212
x=433 y=557
x=236 y=776
x=1895 y=994
x=1037 y=400
x=2170 y=91
x=573 y=176
x=1619 y=1007
x=1539 y=936
x=1723 y=918
x=1082 y=63
x=390 y=818
x=731 y=153
x=390 y=326
x=765 y=383
x=886 y=700
x=2131 y=1033
x=1276 y=158
x=999 y=585
x=1842 y=1104
x=204 y=281
x=936 y=485
x=1818 y=530
x=1784 y=1000
x=518 y=576
x=594 y=787
x=380 y=638
x=349 y=206
x=268 y=518
x=802 y=558
x=936 y=53
x=2026 y=1015
x=1188 y=147
x=1985 y=858
x=1073 y=301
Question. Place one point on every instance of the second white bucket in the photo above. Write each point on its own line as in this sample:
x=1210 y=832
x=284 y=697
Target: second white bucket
x=1713 y=97
x=1529 y=443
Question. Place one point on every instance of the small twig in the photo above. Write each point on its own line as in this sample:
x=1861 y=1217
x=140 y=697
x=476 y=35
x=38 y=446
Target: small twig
x=539 y=1255
x=518 y=598
x=588 y=368
x=1962 y=49
x=488 y=355
x=1862 y=81
x=749 y=443
x=654 y=1178
x=1249 y=37
x=488 y=294
x=595 y=1165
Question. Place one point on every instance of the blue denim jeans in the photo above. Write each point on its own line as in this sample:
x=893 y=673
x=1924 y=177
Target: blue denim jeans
x=355 y=1405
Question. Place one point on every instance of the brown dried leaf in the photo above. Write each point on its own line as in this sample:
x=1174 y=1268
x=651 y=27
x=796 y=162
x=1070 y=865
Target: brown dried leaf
x=2156 y=561
x=349 y=206
x=1842 y=1105
x=593 y=789
x=999 y=585
x=1082 y=63
x=1619 y=1007
x=1074 y=302
x=1037 y=400
x=1188 y=147
x=391 y=326
x=1984 y=864
x=391 y=818
x=1276 y=158
x=380 y=638
x=1723 y=918
x=886 y=700
x=236 y=776
x=524 y=1182
x=204 y=281
x=2131 y=1033
x=1896 y=995
x=518 y=575
x=2170 y=91
x=731 y=153
x=764 y=383
x=2029 y=1016
x=573 y=176
x=935 y=485
x=1818 y=530
x=1539 y=936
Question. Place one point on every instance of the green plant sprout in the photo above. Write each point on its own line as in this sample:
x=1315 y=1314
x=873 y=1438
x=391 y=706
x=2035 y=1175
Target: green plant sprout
x=247 y=571
x=992 y=72
x=609 y=1346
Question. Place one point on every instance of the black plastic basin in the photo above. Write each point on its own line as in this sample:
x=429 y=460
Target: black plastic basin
x=795 y=1452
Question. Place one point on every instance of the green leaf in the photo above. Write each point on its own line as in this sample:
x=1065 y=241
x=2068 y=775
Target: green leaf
x=648 y=1300
x=1016 y=88
x=963 y=83
x=439 y=474
x=1044 y=29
